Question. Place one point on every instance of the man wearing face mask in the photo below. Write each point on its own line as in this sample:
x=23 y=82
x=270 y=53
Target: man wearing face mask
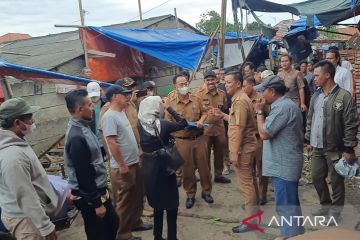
x=191 y=143
x=94 y=93
x=212 y=97
x=26 y=195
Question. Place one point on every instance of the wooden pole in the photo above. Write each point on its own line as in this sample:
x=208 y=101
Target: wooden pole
x=140 y=12
x=83 y=32
x=176 y=18
x=222 y=34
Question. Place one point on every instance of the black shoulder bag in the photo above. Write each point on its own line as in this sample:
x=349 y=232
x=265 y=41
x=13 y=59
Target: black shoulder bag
x=169 y=152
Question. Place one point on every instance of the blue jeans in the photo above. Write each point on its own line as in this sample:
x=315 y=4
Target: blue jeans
x=287 y=205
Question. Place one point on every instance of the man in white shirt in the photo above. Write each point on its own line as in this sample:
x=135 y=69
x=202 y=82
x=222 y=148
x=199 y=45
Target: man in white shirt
x=343 y=76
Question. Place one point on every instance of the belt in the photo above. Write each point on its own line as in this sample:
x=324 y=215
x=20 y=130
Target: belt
x=191 y=137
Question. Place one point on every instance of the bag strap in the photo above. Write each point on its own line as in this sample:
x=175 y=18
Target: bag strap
x=158 y=134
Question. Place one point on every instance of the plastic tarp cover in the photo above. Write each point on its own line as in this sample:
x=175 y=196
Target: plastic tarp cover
x=175 y=46
x=40 y=76
x=302 y=22
x=327 y=11
x=127 y=61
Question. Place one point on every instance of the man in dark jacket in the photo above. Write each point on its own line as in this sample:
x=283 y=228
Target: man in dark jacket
x=331 y=129
x=87 y=172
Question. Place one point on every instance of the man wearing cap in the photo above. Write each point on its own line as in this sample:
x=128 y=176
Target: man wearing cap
x=265 y=76
x=283 y=151
x=86 y=170
x=255 y=97
x=191 y=142
x=211 y=98
x=125 y=170
x=242 y=144
x=94 y=93
x=26 y=195
x=294 y=81
x=150 y=87
x=331 y=130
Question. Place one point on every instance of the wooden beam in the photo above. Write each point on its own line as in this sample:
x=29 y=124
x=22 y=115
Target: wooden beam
x=102 y=54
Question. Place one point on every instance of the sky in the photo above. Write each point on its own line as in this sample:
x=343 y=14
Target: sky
x=38 y=17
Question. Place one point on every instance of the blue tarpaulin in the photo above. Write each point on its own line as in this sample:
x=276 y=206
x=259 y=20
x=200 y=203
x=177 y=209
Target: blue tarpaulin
x=39 y=75
x=248 y=37
x=179 y=47
x=302 y=22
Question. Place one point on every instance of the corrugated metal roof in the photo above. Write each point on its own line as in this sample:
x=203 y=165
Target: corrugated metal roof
x=145 y=23
x=48 y=52
x=44 y=52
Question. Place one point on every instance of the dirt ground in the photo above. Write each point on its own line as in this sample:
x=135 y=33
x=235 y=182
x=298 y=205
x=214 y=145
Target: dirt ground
x=214 y=221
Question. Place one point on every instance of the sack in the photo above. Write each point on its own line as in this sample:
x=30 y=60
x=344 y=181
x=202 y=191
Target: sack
x=173 y=159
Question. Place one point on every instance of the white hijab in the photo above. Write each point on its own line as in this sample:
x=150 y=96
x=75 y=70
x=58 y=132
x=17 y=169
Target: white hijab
x=149 y=113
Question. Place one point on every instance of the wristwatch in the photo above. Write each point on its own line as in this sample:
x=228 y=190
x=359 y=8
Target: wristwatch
x=260 y=112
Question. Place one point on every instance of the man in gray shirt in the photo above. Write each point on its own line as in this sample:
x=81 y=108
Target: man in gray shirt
x=283 y=151
x=126 y=180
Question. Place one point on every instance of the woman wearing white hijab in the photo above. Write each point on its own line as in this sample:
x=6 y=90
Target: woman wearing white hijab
x=160 y=183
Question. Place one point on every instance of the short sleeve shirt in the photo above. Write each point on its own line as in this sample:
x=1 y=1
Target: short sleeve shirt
x=191 y=111
x=343 y=78
x=117 y=124
x=216 y=99
x=294 y=80
x=283 y=152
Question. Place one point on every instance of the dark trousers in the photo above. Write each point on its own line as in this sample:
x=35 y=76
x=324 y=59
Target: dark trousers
x=322 y=163
x=171 y=223
x=98 y=228
x=287 y=205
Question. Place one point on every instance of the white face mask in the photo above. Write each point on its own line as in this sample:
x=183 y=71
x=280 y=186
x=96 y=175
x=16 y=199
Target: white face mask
x=95 y=99
x=29 y=129
x=184 y=90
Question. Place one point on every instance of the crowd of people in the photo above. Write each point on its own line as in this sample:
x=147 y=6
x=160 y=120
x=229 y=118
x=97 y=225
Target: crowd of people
x=263 y=119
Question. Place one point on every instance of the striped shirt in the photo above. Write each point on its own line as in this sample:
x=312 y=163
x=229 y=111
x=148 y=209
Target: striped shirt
x=283 y=152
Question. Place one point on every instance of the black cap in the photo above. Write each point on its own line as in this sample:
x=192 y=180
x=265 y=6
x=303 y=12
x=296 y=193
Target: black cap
x=149 y=84
x=115 y=89
x=209 y=74
x=275 y=82
x=126 y=82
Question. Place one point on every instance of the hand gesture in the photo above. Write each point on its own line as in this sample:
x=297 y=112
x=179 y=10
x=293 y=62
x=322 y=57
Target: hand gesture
x=260 y=106
x=303 y=108
x=165 y=102
x=133 y=96
x=350 y=158
x=124 y=169
x=199 y=124
x=100 y=211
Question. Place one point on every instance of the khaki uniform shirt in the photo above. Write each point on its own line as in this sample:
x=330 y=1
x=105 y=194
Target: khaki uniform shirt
x=191 y=111
x=294 y=80
x=241 y=125
x=216 y=99
x=255 y=99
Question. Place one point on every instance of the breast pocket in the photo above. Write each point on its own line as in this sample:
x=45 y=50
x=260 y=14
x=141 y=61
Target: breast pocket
x=195 y=112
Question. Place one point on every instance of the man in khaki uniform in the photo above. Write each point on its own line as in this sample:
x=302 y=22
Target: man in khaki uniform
x=294 y=80
x=212 y=97
x=242 y=144
x=191 y=142
x=255 y=97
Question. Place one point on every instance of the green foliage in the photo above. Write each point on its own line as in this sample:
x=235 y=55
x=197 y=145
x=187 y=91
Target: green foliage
x=210 y=20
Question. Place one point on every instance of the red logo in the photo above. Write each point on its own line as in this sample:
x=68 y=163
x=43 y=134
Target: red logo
x=256 y=216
